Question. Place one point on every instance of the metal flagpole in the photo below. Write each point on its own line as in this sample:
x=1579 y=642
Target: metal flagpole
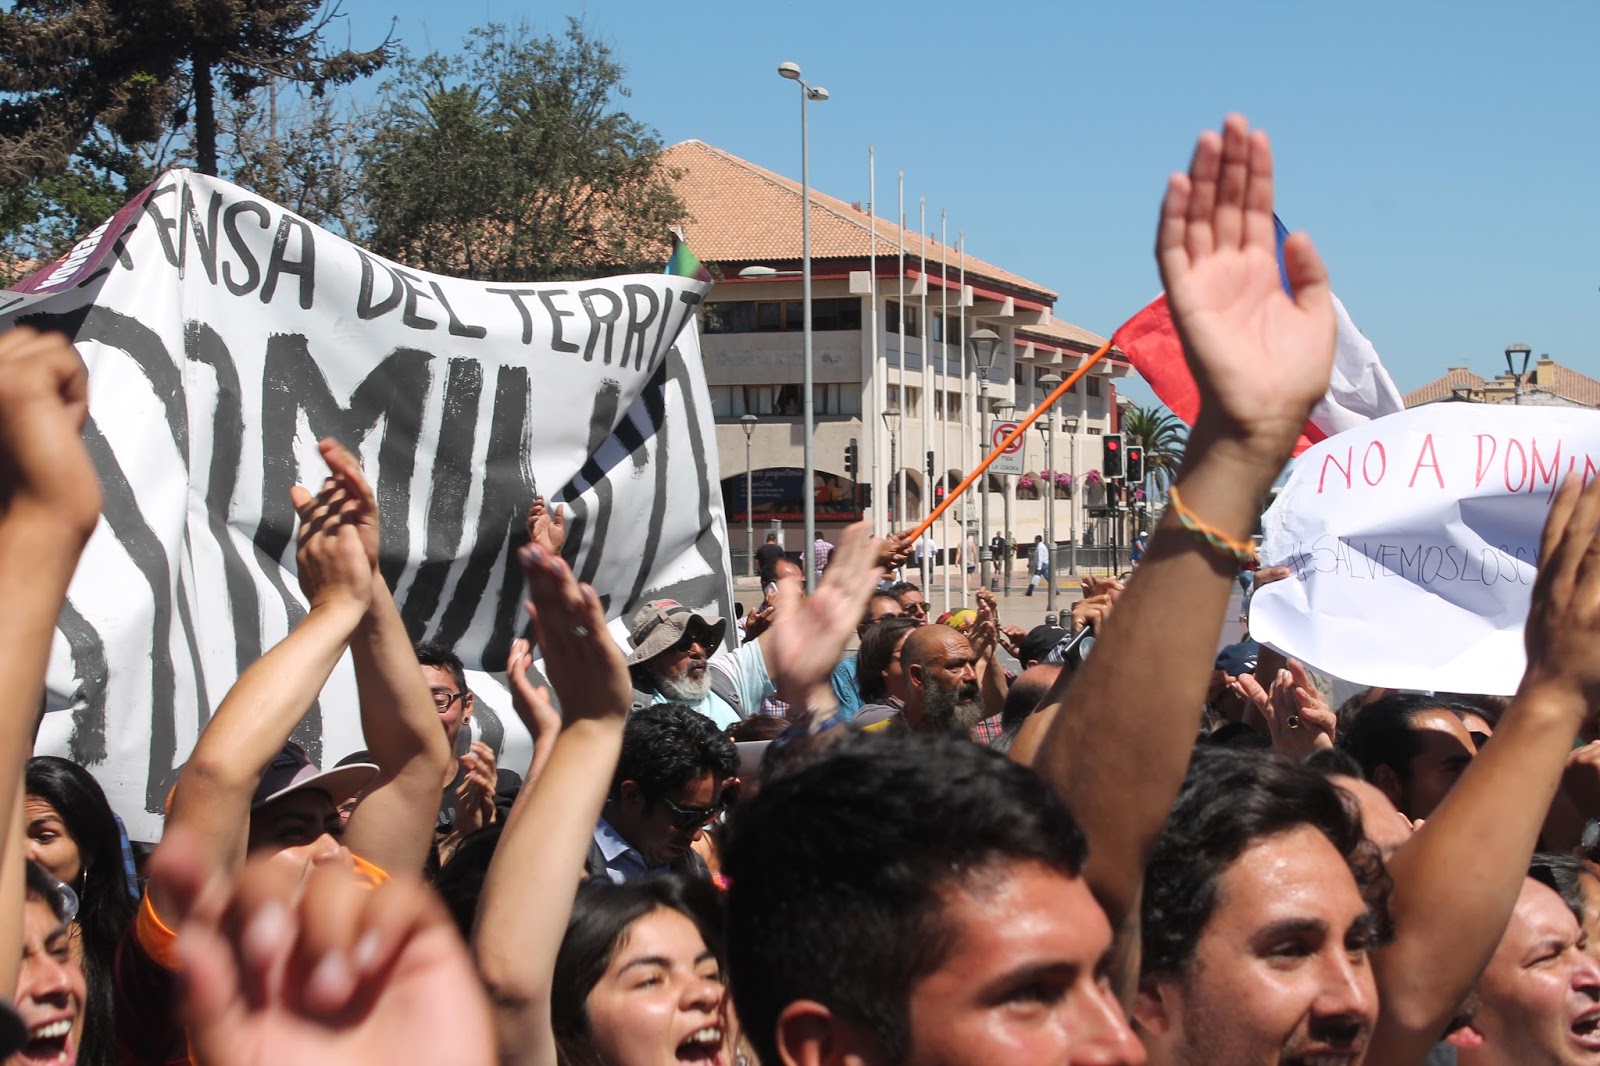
x=879 y=385
x=900 y=318
x=927 y=379
x=944 y=391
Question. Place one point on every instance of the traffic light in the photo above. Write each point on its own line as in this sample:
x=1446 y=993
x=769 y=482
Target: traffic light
x=1134 y=458
x=930 y=466
x=1111 y=455
x=851 y=466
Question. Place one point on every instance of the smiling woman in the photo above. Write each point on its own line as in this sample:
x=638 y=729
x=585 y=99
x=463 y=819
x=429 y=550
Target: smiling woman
x=638 y=980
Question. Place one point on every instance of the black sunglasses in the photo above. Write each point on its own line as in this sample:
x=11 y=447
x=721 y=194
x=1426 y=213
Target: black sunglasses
x=688 y=819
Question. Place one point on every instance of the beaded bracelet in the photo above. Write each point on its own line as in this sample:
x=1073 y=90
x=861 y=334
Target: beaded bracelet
x=1210 y=536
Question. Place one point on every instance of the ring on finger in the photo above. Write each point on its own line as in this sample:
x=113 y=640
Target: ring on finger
x=580 y=631
x=1294 y=721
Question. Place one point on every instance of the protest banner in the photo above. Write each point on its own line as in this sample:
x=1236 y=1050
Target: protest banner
x=1413 y=543
x=224 y=336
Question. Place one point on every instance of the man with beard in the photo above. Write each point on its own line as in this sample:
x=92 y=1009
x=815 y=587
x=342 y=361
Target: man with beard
x=671 y=663
x=941 y=681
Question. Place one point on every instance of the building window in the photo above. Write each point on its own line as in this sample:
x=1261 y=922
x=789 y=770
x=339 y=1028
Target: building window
x=1094 y=385
x=781 y=316
x=783 y=401
x=892 y=319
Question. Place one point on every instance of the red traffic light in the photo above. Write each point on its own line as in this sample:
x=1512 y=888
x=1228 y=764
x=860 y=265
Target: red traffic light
x=1112 y=444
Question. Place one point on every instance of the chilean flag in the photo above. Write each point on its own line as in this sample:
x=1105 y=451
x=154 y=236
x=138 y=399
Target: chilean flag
x=1360 y=391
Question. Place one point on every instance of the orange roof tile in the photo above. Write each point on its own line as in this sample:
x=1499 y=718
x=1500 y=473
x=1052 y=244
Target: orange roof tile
x=1443 y=388
x=1574 y=386
x=1054 y=329
x=740 y=212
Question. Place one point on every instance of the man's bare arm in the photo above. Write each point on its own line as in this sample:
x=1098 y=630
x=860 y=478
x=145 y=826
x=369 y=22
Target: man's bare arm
x=1120 y=735
x=1446 y=925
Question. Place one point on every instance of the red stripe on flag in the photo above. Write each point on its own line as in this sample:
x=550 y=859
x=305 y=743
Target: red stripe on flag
x=1150 y=341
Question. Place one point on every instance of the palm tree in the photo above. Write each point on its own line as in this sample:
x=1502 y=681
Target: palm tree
x=1162 y=436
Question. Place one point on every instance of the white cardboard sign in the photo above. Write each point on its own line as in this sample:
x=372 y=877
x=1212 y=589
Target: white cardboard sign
x=1414 y=542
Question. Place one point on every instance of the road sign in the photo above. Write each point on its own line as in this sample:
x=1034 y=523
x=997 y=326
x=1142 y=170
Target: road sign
x=1010 y=461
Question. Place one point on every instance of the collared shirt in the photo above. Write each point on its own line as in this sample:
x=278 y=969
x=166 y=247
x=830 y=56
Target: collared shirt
x=623 y=861
x=822 y=550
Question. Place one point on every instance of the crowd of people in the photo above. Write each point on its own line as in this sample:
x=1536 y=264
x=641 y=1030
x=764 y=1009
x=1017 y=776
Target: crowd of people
x=745 y=843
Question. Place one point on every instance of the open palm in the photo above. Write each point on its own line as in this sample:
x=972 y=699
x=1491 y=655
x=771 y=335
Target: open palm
x=1261 y=358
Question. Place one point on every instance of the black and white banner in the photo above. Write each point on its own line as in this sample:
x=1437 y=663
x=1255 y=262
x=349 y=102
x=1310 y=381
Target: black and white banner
x=224 y=336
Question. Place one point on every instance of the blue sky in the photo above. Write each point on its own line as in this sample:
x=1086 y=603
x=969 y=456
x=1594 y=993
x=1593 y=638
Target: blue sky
x=1445 y=158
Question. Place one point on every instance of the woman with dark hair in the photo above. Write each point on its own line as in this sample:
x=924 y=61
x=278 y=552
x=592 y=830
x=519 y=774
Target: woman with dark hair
x=877 y=663
x=628 y=974
x=612 y=1001
x=74 y=837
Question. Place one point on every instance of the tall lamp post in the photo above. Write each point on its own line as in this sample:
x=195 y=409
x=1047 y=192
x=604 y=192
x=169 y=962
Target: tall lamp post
x=1072 y=511
x=808 y=93
x=1517 y=375
x=1047 y=384
x=749 y=424
x=891 y=422
x=1005 y=410
x=984 y=343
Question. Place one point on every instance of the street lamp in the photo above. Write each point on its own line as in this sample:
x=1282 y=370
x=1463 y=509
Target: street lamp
x=1005 y=411
x=984 y=343
x=891 y=422
x=1072 y=472
x=749 y=424
x=791 y=71
x=1517 y=375
x=1047 y=384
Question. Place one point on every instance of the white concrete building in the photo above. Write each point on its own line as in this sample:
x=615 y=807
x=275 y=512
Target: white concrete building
x=873 y=303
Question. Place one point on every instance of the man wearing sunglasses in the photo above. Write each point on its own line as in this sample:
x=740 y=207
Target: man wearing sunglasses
x=667 y=787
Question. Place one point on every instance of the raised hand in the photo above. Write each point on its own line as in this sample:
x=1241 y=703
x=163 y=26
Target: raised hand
x=1563 y=631
x=475 y=794
x=1261 y=359
x=547 y=526
x=321 y=972
x=580 y=658
x=1299 y=719
x=44 y=402
x=333 y=564
x=362 y=511
x=808 y=636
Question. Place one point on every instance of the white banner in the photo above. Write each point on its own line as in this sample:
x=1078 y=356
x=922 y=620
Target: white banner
x=1414 y=541
x=224 y=336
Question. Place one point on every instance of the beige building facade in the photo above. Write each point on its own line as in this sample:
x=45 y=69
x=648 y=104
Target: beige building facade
x=891 y=313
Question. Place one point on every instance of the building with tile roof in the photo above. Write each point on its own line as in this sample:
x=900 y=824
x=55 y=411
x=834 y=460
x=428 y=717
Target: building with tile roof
x=891 y=310
x=1546 y=383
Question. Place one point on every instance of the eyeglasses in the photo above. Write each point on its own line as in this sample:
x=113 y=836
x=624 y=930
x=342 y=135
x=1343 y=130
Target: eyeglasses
x=443 y=700
x=691 y=818
x=916 y=608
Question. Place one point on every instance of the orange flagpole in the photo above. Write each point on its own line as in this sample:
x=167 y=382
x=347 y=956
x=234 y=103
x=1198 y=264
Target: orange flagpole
x=1011 y=438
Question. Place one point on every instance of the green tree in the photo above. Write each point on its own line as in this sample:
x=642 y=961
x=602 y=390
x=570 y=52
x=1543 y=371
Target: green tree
x=139 y=68
x=1162 y=436
x=512 y=161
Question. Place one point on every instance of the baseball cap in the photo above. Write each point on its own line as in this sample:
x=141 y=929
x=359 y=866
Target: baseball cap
x=292 y=770
x=1236 y=659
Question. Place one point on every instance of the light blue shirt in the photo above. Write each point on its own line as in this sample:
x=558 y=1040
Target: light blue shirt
x=845 y=690
x=746 y=673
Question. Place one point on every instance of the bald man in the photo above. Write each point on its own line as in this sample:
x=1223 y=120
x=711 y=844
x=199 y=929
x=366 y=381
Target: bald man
x=941 y=681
